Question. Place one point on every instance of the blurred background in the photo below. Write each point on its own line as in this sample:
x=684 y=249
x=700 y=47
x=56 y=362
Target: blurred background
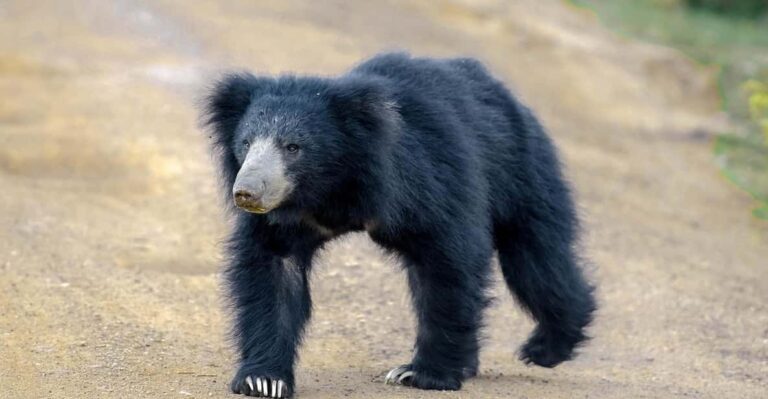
x=111 y=219
x=730 y=36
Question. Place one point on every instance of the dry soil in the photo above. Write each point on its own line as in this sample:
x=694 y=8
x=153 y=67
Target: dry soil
x=110 y=221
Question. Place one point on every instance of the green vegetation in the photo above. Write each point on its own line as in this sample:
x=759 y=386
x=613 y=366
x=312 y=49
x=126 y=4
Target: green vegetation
x=732 y=34
x=745 y=159
x=742 y=8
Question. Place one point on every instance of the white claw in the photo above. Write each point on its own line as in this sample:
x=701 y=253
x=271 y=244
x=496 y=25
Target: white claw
x=390 y=378
x=404 y=376
x=274 y=388
x=258 y=385
x=280 y=389
x=249 y=381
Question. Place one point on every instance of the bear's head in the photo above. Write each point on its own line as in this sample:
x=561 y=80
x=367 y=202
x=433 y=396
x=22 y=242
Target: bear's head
x=299 y=142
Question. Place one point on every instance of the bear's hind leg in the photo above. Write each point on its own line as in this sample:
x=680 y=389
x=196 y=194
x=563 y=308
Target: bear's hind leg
x=542 y=271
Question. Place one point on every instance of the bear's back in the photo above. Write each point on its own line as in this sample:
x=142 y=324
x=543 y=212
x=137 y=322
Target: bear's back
x=456 y=96
x=445 y=78
x=463 y=116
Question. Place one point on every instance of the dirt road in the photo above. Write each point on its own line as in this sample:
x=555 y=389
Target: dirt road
x=110 y=222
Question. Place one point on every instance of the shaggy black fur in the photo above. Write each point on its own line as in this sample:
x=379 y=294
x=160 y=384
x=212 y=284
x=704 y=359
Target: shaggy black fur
x=442 y=166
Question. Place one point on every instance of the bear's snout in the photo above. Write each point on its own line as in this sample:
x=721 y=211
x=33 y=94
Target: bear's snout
x=261 y=184
x=250 y=201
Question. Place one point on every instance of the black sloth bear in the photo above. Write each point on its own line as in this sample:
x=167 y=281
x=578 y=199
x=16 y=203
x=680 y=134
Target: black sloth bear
x=439 y=164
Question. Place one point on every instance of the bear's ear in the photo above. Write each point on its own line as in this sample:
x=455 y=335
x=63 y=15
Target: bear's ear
x=364 y=102
x=228 y=101
x=223 y=109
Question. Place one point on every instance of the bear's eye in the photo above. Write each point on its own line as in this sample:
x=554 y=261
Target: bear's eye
x=292 y=148
x=246 y=144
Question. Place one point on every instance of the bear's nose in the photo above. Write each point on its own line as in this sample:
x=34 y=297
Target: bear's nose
x=249 y=201
x=245 y=197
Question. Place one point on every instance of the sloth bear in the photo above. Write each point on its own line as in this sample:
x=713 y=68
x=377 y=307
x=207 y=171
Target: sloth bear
x=439 y=164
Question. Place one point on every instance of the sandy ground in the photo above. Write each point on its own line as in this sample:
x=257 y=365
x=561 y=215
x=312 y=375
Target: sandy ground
x=110 y=221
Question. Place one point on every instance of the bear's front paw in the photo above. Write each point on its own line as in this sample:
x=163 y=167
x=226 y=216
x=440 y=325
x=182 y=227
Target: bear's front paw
x=254 y=384
x=412 y=376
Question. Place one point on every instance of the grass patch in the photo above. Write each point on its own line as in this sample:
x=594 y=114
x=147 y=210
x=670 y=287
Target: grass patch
x=738 y=45
x=744 y=162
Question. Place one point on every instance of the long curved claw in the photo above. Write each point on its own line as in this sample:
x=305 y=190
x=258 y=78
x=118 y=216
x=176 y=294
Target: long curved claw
x=394 y=375
x=265 y=387
x=405 y=375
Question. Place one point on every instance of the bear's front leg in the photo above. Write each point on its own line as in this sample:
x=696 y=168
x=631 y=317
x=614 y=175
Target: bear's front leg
x=448 y=280
x=272 y=304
